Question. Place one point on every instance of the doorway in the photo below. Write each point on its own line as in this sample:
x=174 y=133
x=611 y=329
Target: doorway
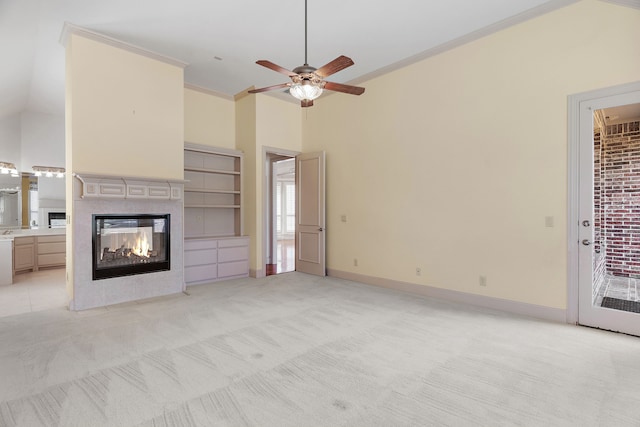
x=280 y=213
x=604 y=232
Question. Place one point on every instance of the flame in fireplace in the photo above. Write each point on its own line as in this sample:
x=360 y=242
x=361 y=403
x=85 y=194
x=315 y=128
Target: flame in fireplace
x=142 y=246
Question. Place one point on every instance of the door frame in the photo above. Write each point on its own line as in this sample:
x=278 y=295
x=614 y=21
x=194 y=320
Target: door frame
x=573 y=183
x=266 y=194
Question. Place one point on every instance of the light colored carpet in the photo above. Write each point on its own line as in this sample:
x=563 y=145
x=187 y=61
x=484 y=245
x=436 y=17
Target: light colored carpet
x=297 y=350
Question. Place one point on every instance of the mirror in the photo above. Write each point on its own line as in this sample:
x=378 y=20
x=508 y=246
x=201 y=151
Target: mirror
x=32 y=202
x=10 y=201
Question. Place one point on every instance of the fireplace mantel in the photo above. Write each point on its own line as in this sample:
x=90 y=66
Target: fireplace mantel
x=123 y=187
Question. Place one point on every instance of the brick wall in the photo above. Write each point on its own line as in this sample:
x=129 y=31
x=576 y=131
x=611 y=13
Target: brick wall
x=599 y=259
x=618 y=201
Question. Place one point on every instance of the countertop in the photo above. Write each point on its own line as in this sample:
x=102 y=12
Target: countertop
x=31 y=232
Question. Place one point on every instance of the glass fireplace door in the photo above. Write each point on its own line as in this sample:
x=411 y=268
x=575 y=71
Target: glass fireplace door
x=130 y=244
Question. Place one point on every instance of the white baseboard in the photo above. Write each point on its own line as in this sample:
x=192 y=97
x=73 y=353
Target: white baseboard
x=515 y=307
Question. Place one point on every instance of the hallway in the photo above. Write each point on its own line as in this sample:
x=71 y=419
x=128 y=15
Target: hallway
x=285 y=258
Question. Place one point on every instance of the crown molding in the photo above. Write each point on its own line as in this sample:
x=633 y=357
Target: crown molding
x=208 y=91
x=69 y=29
x=626 y=3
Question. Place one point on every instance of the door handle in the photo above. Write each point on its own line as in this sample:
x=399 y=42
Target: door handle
x=320 y=229
x=586 y=242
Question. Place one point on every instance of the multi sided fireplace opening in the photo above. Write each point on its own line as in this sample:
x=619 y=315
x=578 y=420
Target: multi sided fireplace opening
x=129 y=244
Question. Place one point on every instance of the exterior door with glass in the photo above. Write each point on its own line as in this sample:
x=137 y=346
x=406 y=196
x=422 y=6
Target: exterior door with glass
x=592 y=226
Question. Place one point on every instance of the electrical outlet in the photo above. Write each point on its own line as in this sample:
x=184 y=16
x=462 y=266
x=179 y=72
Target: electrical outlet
x=483 y=280
x=549 y=221
x=355 y=262
x=343 y=218
x=418 y=271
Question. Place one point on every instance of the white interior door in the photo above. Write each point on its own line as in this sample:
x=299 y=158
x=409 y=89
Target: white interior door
x=310 y=213
x=589 y=312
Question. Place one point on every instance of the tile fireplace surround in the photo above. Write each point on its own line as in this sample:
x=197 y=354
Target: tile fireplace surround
x=121 y=195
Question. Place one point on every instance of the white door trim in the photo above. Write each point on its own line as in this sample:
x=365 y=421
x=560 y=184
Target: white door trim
x=573 y=182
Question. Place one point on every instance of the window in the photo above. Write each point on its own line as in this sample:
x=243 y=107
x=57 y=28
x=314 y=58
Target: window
x=285 y=208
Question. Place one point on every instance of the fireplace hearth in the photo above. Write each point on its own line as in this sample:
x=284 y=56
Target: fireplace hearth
x=130 y=244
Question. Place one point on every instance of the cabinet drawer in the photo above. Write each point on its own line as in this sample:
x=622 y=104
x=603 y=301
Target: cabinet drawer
x=237 y=268
x=228 y=243
x=52 y=239
x=233 y=254
x=204 y=256
x=50 y=248
x=191 y=245
x=200 y=273
x=51 y=259
x=18 y=241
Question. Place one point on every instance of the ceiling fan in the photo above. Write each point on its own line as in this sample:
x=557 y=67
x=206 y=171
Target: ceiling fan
x=307 y=82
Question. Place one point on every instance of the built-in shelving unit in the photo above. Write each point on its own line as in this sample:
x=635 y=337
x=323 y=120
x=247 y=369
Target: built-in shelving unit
x=215 y=248
x=212 y=194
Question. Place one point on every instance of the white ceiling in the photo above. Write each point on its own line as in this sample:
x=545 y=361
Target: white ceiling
x=378 y=35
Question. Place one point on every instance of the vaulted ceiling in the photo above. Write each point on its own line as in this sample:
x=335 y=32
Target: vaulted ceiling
x=221 y=40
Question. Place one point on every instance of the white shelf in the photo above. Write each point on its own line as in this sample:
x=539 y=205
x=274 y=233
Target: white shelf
x=214 y=206
x=218 y=171
x=205 y=190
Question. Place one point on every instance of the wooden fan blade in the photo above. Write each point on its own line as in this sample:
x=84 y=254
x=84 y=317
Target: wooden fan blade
x=264 y=89
x=340 y=63
x=270 y=65
x=306 y=103
x=339 y=87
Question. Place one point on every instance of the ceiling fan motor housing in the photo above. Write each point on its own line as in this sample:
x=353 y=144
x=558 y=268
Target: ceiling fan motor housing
x=304 y=69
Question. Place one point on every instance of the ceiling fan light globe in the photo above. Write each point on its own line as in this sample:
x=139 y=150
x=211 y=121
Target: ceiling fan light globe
x=305 y=91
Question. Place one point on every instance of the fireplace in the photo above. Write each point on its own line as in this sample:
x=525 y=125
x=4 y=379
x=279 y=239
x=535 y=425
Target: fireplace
x=129 y=244
x=57 y=219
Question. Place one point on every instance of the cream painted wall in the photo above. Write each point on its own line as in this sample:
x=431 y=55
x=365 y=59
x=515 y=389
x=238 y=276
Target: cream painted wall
x=245 y=108
x=125 y=110
x=209 y=119
x=262 y=121
x=68 y=160
x=453 y=163
x=277 y=126
x=278 y=123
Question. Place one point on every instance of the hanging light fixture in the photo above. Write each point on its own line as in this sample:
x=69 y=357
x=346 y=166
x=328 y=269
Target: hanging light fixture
x=8 y=168
x=306 y=89
x=48 y=171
